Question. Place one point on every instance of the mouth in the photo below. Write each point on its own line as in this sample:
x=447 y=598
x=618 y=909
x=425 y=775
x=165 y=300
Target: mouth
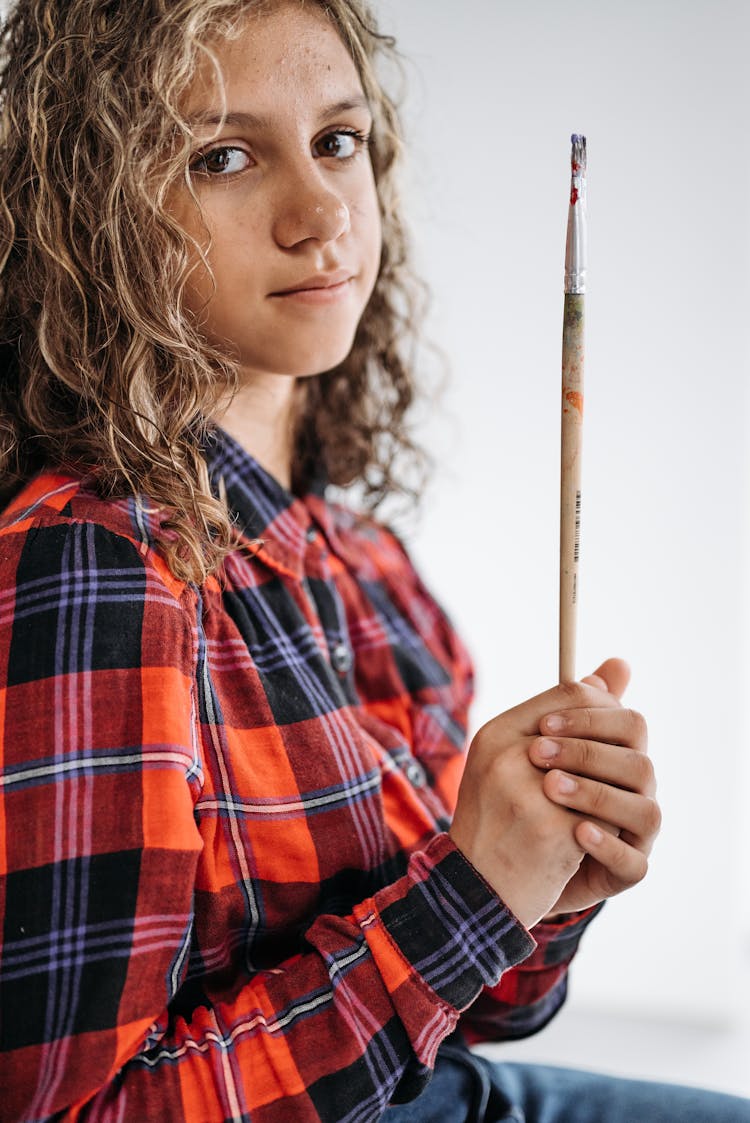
x=324 y=288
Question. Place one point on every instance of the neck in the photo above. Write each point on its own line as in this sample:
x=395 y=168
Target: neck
x=261 y=418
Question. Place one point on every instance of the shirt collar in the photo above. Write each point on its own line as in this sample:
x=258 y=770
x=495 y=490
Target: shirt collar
x=275 y=524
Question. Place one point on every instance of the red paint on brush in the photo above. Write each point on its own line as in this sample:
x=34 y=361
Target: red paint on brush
x=573 y=196
x=575 y=399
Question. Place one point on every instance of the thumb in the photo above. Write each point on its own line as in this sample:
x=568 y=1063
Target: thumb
x=613 y=676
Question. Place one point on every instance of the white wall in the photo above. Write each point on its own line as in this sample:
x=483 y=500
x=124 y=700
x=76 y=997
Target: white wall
x=660 y=88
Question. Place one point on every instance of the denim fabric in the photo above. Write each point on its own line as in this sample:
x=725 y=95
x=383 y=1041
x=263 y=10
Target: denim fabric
x=469 y=1089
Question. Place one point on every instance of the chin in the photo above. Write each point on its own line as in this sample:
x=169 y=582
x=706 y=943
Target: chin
x=309 y=365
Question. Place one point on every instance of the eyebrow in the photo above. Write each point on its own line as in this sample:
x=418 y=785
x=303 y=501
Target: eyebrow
x=260 y=121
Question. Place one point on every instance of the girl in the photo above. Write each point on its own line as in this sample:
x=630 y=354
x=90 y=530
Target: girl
x=239 y=881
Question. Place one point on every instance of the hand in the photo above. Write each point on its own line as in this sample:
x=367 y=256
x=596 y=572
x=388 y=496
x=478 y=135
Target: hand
x=602 y=753
x=523 y=842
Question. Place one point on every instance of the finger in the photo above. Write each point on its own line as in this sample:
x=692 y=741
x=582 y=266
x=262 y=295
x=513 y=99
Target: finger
x=525 y=718
x=620 y=865
x=616 y=765
x=615 y=673
x=615 y=726
x=638 y=815
x=597 y=681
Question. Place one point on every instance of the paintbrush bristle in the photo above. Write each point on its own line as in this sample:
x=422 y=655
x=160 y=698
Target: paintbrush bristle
x=578 y=151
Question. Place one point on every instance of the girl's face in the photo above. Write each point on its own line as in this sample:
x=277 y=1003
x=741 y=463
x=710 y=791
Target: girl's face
x=287 y=193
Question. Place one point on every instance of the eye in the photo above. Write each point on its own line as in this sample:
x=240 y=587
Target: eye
x=223 y=161
x=343 y=144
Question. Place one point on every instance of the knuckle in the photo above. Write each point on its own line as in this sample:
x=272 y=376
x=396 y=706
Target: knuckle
x=638 y=728
x=598 y=799
x=588 y=754
x=644 y=772
x=497 y=772
x=653 y=817
x=628 y=868
x=500 y=728
x=489 y=741
x=485 y=736
x=639 y=868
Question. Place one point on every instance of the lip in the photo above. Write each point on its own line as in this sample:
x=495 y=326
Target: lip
x=321 y=287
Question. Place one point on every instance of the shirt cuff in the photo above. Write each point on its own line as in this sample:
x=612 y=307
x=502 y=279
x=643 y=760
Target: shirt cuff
x=450 y=926
x=558 y=939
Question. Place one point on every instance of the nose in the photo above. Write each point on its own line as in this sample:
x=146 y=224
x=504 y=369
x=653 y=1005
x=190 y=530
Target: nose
x=311 y=212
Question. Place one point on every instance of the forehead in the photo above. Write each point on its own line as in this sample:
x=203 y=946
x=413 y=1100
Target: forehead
x=286 y=55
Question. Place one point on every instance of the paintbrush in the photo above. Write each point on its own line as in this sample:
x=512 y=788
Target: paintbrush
x=572 y=407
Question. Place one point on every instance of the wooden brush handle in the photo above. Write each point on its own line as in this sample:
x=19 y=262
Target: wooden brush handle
x=570 y=479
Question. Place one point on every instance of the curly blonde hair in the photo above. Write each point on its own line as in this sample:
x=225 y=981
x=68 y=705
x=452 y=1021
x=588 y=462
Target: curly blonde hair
x=103 y=370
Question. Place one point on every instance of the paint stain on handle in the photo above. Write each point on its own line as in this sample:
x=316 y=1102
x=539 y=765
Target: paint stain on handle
x=575 y=399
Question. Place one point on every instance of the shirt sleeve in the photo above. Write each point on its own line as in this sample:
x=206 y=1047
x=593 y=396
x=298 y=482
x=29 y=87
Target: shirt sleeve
x=528 y=996
x=100 y=767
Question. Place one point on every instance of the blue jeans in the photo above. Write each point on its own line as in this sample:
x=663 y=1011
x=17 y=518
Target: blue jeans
x=471 y=1089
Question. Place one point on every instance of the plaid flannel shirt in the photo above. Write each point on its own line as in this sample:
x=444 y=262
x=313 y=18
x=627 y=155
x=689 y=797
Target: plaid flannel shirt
x=226 y=890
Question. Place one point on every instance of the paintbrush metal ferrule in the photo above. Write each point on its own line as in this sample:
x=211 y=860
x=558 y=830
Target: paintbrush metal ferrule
x=575 y=246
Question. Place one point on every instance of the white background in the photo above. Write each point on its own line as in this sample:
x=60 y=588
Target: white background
x=660 y=88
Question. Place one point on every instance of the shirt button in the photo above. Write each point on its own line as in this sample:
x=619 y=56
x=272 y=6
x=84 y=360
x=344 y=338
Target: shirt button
x=311 y=534
x=415 y=774
x=341 y=658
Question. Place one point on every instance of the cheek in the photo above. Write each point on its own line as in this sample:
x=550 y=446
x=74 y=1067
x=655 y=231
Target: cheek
x=366 y=214
x=229 y=267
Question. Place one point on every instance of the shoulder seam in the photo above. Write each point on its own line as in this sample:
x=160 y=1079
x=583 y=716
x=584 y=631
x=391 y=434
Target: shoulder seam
x=150 y=556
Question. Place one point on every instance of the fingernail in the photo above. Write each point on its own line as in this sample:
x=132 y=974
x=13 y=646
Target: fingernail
x=555 y=723
x=566 y=785
x=548 y=750
x=595 y=835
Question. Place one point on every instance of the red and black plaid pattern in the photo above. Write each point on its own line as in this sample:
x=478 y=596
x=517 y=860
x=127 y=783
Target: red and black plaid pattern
x=226 y=891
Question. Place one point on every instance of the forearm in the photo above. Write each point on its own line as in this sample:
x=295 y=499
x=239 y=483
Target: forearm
x=346 y=1025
